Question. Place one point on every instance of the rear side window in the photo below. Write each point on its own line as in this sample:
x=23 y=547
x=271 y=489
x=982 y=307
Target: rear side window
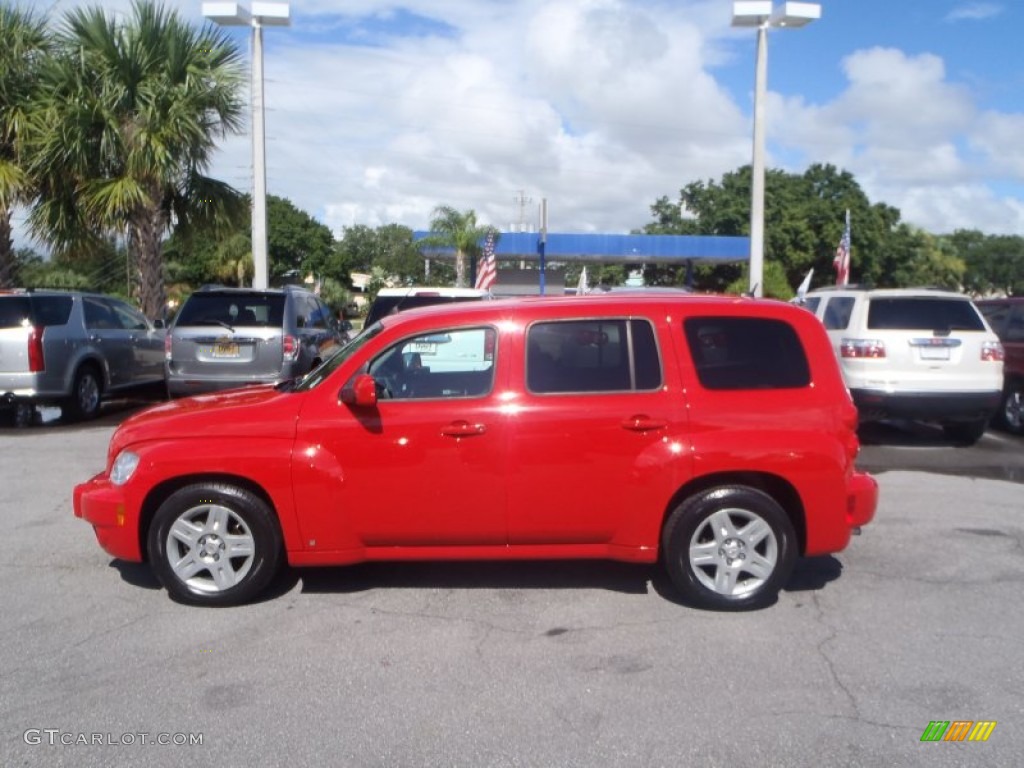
x=923 y=313
x=39 y=310
x=746 y=353
x=606 y=355
x=257 y=309
x=837 y=312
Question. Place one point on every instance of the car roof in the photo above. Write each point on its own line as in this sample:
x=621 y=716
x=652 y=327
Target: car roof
x=830 y=290
x=626 y=303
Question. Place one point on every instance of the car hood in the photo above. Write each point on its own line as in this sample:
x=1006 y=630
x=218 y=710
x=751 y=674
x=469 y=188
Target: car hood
x=261 y=411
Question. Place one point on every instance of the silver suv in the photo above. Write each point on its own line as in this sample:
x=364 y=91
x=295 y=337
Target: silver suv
x=914 y=353
x=224 y=338
x=73 y=349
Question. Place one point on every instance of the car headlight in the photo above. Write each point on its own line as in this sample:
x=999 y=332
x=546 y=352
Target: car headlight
x=124 y=467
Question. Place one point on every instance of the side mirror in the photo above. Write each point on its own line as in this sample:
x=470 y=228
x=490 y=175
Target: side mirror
x=362 y=392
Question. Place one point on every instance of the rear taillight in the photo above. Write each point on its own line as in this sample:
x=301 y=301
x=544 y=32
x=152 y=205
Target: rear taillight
x=36 y=364
x=992 y=352
x=289 y=348
x=167 y=347
x=872 y=348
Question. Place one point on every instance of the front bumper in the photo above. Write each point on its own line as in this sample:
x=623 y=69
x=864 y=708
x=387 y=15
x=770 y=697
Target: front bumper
x=861 y=499
x=104 y=506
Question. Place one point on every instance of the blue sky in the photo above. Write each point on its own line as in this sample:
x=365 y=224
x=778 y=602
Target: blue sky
x=379 y=111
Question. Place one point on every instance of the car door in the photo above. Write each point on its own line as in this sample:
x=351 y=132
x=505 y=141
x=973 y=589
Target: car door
x=597 y=445
x=145 y=344
x=110 y=339
x=425 y=466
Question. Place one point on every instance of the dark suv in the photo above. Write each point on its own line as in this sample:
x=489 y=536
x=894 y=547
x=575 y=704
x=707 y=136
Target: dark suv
x=1006 y=316
x=72 y=349
x=224 y=338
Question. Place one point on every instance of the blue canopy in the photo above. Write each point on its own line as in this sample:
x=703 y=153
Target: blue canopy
x=628 y=249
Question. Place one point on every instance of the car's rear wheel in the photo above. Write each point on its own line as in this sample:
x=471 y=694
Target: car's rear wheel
x=1011 y=414
x=965 y=432
x=214 y=544
x=86 y=395
x=730 y=548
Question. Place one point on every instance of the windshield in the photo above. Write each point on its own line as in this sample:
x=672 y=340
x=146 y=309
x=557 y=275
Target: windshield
x=316 y=377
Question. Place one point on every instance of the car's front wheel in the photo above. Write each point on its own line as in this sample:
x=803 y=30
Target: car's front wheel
x=1011 y=414
x=730 y=548
x=214 y=544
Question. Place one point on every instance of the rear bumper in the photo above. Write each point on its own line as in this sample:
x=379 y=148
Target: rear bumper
x=861 y=499
x=929 y=406
x=104 y=506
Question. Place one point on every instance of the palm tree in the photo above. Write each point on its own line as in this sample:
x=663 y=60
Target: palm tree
x=451 y=229
x=129 y=115
x=24 y=42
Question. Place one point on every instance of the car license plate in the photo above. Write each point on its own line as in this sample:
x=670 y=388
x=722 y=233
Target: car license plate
x=424 y=348
x=226 y=350
x=934 y=353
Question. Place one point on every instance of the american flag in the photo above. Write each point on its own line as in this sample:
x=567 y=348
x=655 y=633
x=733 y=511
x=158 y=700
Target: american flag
x=487 y=271
x=842 y=260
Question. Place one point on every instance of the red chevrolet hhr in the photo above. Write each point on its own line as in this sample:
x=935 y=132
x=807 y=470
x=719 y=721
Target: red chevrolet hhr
x=712 y=434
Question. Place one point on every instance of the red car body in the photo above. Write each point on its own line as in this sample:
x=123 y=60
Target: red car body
x=509 y=473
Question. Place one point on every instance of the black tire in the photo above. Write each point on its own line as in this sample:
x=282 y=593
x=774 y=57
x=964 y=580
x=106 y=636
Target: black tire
x=1011 y=410
x=748 y=559
x=965 y=432
x=195 y=565
x=86 y=395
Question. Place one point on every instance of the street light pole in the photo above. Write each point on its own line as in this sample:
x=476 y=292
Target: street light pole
x=262 y=14
x=762 y=15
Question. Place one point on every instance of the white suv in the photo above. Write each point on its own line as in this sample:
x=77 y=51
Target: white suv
x=914 y=353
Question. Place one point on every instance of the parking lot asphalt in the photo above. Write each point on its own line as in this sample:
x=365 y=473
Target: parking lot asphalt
x=511 y=664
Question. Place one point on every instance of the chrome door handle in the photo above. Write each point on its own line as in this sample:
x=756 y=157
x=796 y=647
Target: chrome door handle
x=642 y=423
x=463 y=429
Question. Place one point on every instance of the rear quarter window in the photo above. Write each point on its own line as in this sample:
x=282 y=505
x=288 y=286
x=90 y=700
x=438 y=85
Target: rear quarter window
x=923 y=313
x=837 y=312
x=731 y=353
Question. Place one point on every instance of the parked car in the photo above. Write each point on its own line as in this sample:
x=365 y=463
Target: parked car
x=1006 y=316
x=223 y=338
x=73 y=349
x=713 y=434
x=391 y=300
x=914 y=353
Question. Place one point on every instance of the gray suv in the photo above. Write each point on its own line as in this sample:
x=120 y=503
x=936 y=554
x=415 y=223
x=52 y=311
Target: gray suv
x=223 y=338
x=72 y=349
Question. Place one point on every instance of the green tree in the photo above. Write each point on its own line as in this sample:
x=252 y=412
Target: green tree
x=993 y=263
x=804 y=220
x=129 y=113
x=24 y=43
x=297 y=243
x=451 y=229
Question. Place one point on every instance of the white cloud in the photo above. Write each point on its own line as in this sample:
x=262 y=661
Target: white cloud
x=974 y=11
